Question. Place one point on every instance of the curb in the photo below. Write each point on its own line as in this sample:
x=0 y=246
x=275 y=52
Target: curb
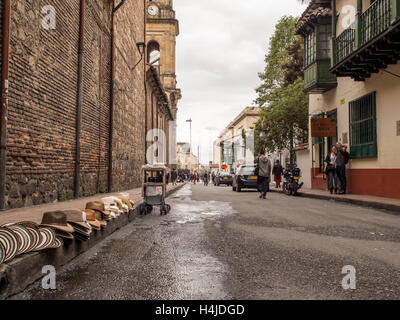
x=22 y=271
x=388 y=208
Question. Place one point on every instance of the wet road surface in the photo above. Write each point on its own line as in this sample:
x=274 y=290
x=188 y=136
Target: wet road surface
x=219 y=244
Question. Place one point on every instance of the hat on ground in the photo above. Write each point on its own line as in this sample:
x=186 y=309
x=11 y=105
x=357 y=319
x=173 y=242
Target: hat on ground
x=33 y=229
x=56 y=220
x=99 y=206
x=47 y=238
x=126 y=201
x=111 y=206
x=58 y=243
x=10 y=241
x=91 y=216
x=77 y=219
x=25 y=238
x=2 y=253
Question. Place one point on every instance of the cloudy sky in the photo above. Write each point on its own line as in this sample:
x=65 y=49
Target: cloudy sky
x=220 y=50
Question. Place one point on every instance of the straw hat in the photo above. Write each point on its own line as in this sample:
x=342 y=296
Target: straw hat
x=33 y=229
x=99 y=207
x=77 y=219
x=95 y=219
x=56 y=220
x=47 y=238
x=25 y=238
x=58 y=243
x=126 y=201
x=10 y=241
x=2 y=253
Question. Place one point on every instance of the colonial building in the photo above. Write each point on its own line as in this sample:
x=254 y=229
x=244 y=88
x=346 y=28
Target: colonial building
x=162 y=28
x=230 y=149
x=186 y=160
x=352 y=71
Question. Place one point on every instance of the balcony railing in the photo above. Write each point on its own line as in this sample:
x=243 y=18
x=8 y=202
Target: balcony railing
x=375 y=20
x=345 y=43
x=369 y=25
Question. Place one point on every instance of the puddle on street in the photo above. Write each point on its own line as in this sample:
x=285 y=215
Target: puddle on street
x=185 y=210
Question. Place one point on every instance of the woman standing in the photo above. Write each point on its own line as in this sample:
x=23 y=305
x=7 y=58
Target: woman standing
x=277 y=172
x=331 y=170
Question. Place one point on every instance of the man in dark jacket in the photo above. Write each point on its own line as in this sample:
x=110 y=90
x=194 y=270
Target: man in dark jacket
x=341 y=160
x=264 y=174
x=174 y=176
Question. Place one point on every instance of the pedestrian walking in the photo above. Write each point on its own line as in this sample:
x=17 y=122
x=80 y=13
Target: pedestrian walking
x=213 y=178
x=263 y=174
x=205 y=179
x=174 y=176
x=331 y=170
x=277 y=172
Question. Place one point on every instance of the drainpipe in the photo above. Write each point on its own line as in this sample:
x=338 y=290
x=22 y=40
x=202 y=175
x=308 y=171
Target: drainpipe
x=4 y=100
x=110 y=146
x=79 y=99
x=145 y=81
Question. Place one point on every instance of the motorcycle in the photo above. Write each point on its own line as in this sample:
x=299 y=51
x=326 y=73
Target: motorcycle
x=291 y=184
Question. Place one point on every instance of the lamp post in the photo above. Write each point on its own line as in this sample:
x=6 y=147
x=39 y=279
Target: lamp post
x=190 y=151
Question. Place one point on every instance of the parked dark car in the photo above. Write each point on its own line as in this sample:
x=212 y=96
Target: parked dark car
x=244 y=178
x=223 y=178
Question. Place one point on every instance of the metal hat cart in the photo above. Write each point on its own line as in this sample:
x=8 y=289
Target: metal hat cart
x=154 y=189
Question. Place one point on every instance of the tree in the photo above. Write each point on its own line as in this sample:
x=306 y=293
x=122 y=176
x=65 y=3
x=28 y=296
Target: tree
x=284 y=116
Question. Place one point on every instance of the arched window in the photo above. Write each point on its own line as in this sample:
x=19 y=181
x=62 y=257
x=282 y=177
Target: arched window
x=153 y=53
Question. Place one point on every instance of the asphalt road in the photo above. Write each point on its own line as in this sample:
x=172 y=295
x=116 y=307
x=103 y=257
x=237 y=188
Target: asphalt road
x=219 y=244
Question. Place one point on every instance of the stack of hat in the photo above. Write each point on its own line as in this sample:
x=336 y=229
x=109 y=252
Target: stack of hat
x=24 y=237
x=57 y=220
x=112 y=206
x=77 y=219
x=97 y=209
x=125 y=199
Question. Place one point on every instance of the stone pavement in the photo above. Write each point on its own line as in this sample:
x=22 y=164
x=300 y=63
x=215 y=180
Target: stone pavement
x=34 y=213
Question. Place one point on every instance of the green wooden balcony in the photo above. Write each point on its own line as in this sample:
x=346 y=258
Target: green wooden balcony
x=371 y=43
x=318 y=78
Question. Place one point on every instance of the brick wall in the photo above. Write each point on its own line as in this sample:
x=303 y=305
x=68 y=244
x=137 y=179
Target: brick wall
x=41 y=129
x=96 y=97
x=42 y=103
x=1 y=36
x=129 y=95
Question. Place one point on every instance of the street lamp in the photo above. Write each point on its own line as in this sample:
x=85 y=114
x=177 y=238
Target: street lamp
x=141 y=46
x=190 y=122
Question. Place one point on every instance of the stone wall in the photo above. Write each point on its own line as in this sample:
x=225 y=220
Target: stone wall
x=41 y=151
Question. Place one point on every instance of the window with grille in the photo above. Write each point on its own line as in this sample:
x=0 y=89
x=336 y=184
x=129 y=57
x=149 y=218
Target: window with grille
x=309 y=48
x=324 y=41
x=363 y=140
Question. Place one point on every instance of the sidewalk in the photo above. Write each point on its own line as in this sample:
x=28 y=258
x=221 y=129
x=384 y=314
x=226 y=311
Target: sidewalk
x=35 y=213
x=25 y=269
x=389 y=204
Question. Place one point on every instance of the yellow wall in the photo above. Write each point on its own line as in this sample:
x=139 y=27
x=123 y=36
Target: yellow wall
x=387 y=89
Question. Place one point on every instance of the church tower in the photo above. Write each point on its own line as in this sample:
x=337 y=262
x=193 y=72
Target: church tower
x=162 y=28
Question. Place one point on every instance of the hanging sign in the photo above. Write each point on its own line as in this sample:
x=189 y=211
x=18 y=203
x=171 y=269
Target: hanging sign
x=323 y=127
